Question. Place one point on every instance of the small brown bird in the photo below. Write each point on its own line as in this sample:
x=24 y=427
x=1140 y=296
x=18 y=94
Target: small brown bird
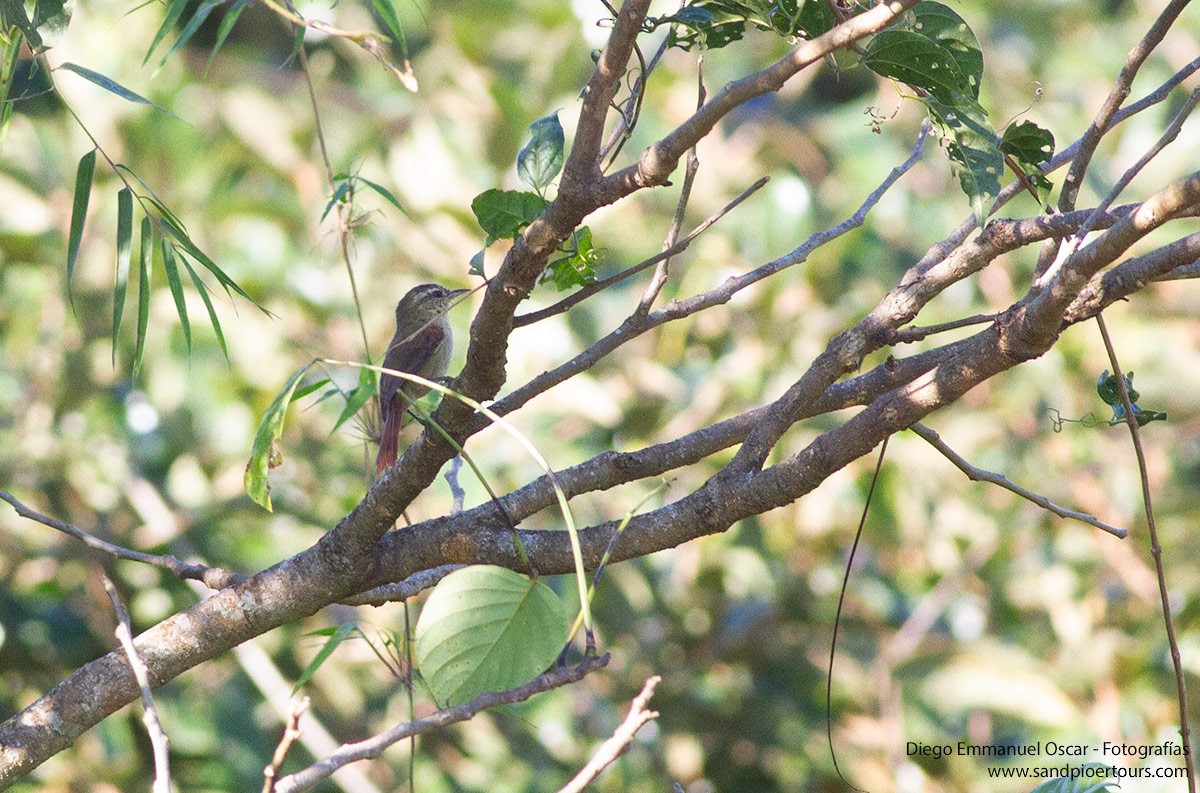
x=421 y=346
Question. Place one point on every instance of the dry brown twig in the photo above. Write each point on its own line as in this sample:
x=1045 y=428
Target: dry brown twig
x=158 y=738
x=619 y=741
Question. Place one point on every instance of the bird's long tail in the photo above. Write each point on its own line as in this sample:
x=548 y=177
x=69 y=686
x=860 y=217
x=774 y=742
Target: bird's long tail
x=389 y=439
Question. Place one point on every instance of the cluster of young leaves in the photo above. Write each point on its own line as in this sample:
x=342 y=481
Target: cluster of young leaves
x=934 y=51
x=712 y=24
x=1110 y=391
x=345 y=186
x=503 y=214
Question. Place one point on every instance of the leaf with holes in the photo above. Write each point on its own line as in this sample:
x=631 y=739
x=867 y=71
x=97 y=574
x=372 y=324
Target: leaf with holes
x=944 y=27
x=974 y=154
x=1030 y=147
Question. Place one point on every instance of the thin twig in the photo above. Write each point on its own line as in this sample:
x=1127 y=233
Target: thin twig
x=1168 y=136
x=374 y=746
x=1155 y=551
x=212 y=577
x=291 y=734
x=917 y=333
x=619 y=741
x=343 y=228
x=582 y=294
x=158 y=738
x=625 y=121
x=980 y=475
x=1106 y=116
x=685 y=193
x=415 y=584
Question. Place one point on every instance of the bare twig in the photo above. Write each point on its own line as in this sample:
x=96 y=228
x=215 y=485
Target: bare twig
x=1168 y=136
x=374 y=746
x=685 y=192
x=678 y=247
x=213 y=577
x=158 y=738
x=619 y=741
x=1156 y=551
x=291 y=734
x=413 y=585
x=916 y=333
x=980 y=475
x=1105 y=117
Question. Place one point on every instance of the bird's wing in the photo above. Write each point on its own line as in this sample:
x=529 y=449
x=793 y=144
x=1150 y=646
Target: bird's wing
x=409 y=355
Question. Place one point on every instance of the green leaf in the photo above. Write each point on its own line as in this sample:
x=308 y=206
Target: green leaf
x=360 y=395
x=1110 y=391
x=503 y=213
x=975 y=157
x=914 y=59
x=174 y=11
x=145 y=262
x=1030 y=146
x=336 y=637
x=387 y=12
x=112 y=86
x=304 y=391
x=339 y=193
x=193 y=24
x=176 y=285
x=49 y=23
x=579 y=267
x=263 y=453
x=943 y=26
x=124 y=250
x=227 y=22
x=713 y=24
x=486 y=628
x=540 y=160
x=79 y=206
x=476 y=263
x=176 y=230
x=386 y=194
x=202 y=288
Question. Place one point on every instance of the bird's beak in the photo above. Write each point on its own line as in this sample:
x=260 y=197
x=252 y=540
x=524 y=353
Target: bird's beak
x=457 y=292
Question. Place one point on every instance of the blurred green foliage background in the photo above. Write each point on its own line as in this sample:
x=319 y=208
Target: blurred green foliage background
x=971 y=615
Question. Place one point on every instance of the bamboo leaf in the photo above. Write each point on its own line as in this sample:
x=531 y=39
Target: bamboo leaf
x=124 y=245
x=145 y=262
x=336 y=637
x=176 y=285
x=175 y=229
x=193 y=24
x=79 y=206
x=227 y=22
x=359 y=396
x=386 y=194
x=113 y=86
x=174 y=11
x=202 y=288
